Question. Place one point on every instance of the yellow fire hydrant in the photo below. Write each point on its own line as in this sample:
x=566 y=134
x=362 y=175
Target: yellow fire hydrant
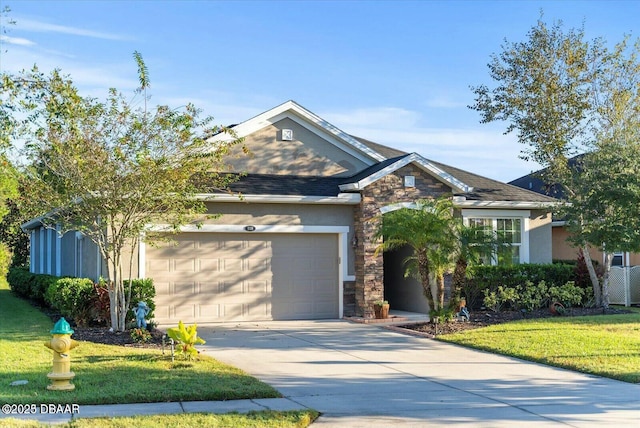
x=61 y=344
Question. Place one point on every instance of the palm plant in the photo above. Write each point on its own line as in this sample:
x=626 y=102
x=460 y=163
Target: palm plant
x=429 y=230
x=476 y=245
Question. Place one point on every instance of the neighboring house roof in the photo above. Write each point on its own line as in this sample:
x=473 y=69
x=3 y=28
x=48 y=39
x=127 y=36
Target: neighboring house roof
x=535 y=183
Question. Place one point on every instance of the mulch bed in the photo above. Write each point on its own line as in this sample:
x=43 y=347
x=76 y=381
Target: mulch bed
x=103 y=335
x=477 y=319
x=485 y=318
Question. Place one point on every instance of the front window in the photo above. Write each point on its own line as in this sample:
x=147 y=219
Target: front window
x=507 y=230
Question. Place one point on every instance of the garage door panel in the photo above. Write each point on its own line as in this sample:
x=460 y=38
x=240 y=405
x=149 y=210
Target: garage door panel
x=212 y=277
x=159 y=265
x=184 y=265
x=323 y=287
x=209 y=311
x=258 y=287
x=210 y=289
x=232 y=265
x=183 y=288
x=322 y=263
x=233 y=311
x=232 y=245
x=258 y=265
x=211 y=265
x=185 y=311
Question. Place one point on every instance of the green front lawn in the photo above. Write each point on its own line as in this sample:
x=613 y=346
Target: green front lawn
x=266 y=419
x=107 y=374
x=115 y=374
x=604 y=345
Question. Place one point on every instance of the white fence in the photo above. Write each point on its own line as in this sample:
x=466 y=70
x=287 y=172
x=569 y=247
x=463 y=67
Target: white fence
x=624 y=285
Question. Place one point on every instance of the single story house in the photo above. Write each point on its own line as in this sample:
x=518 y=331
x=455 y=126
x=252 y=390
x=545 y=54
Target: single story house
x=299 y=244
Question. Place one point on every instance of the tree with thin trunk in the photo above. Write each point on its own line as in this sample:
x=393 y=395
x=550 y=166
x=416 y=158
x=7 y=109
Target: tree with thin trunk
x=565 y=95
x=110 y=169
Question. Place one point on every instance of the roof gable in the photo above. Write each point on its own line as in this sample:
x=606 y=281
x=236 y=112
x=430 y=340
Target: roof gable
x=315 y=147
x=376 y=172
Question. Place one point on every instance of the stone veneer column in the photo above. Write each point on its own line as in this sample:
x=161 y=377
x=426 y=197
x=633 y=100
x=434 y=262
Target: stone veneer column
x=369 y=268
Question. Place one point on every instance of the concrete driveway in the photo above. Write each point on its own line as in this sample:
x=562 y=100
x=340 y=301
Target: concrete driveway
x=365 y=376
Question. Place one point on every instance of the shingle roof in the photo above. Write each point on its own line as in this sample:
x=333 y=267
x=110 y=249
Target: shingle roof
x=274 y=184
x=487 y=189
x=535 y=183
x=372 y=169
x=484 y=189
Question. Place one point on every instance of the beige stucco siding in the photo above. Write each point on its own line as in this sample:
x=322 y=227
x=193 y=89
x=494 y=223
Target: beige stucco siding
x=290 y=214
x=306 y=154
x=243 y=213
x=540 y=244
x=562 y=250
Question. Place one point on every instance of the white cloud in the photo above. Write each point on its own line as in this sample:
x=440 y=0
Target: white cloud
x=16 y=41
x=45 y=27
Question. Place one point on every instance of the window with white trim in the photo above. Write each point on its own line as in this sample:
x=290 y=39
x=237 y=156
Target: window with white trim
x=509 y=227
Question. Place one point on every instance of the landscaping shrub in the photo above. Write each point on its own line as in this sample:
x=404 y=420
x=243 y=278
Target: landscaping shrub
x=19 y=279
x=29 y=285
x=569 y=294
x=97 y=309
x=501 y=298
x=71 y=296
x=186 y=338
x=511 y=276
x=530 y=297
x=79 y=299
x=582 y=278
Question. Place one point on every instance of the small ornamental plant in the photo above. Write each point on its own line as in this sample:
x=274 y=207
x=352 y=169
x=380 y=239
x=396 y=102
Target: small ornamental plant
x=140 y=335
x=186 y=338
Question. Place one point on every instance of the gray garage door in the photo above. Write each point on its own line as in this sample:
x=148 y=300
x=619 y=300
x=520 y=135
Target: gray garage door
x=212 y=277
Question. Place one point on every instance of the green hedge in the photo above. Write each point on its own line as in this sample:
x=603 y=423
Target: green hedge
x=491 y=277
x=29 y=285
x=73 y=297
x=78 y=299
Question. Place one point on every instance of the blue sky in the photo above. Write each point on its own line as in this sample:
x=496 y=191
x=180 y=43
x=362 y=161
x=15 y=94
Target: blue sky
x=394 y=72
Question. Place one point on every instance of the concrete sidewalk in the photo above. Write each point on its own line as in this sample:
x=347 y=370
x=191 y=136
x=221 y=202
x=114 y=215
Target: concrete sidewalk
x=113 y=410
